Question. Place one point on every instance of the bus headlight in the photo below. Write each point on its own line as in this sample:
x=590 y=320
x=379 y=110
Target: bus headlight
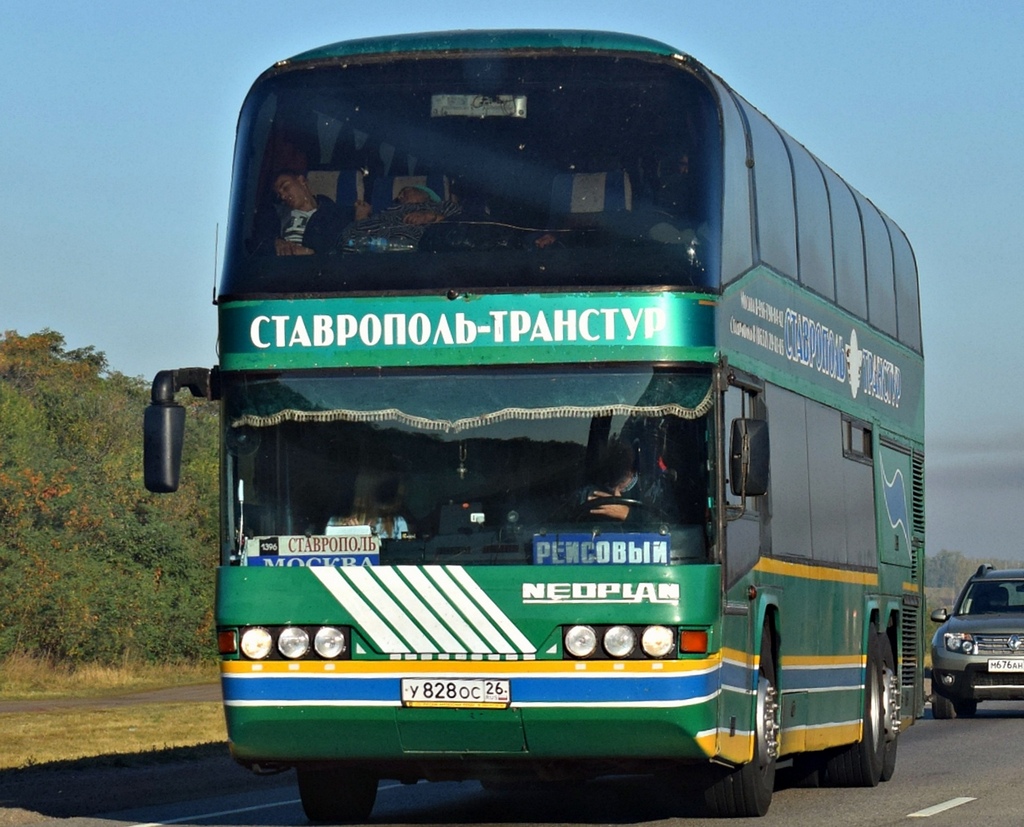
x=619 y=641
x=293 y=642
x=329 y=642
x=256 y=643
x=657 y=641
x=581 y=641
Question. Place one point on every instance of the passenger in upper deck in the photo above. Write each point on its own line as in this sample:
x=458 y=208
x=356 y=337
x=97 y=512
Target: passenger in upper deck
x=666 y=213
x=402 y=225
x=599 y=210
x=676 y=189
x=308 y=224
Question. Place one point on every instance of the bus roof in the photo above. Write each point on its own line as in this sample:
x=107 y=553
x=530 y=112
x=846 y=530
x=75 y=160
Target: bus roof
x=486 y=40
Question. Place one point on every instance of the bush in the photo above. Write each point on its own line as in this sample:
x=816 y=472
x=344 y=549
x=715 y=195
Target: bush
x=93 y=568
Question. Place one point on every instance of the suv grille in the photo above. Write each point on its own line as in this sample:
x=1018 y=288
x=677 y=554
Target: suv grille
x=999 y=644
x=981 y=680
x=977 y=676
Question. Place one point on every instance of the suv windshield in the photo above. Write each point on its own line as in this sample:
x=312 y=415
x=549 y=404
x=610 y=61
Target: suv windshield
x=518 y=170
x=514 y=467
x=992 y=597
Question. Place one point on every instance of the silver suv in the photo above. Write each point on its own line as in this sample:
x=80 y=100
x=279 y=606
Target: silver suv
x=978 y=651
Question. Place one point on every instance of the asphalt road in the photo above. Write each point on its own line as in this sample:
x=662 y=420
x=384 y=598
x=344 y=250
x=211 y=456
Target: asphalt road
x=965 y=771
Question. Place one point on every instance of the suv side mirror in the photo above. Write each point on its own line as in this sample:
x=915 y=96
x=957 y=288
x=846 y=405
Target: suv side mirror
x=748 y=458
x=940 y=615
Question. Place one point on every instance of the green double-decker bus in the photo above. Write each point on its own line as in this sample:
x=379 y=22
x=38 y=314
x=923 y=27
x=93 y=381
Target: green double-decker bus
x=573 y=423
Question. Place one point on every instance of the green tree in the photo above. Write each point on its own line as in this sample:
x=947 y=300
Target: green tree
x=947 y=570
x=93 y=567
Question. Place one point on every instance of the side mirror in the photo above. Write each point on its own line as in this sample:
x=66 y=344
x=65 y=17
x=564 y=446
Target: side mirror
x=748 y=458
x=163 y=436
x=940 y=615
x=163 y=425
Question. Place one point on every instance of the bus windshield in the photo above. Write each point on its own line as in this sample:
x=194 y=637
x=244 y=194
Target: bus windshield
x=518 y=171
x=491 y=467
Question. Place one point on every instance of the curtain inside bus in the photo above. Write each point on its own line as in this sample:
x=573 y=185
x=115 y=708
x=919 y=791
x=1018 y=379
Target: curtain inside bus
x=460 y=402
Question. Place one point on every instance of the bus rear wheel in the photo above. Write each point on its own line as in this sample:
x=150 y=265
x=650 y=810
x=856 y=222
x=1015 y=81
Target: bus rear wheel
x=865 y=763
x=747 y=790
x=337 y=796
x=891 y=693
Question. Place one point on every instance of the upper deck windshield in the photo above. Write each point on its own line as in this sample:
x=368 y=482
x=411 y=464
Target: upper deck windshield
x=510 y=467
x=500 y=171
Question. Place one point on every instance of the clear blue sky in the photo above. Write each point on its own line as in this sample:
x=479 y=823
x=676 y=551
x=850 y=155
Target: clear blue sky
x=117 y=121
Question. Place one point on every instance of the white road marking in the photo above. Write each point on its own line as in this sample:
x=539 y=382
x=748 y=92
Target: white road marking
x=201 y=816
x=940 y=808
x=217 y=814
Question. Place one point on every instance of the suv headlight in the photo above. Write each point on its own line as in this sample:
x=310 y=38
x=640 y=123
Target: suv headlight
x=960 y=642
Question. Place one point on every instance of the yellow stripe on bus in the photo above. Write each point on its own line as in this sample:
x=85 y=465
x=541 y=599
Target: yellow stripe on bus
x=855 y=659
x=767 y=565
x=405 y=667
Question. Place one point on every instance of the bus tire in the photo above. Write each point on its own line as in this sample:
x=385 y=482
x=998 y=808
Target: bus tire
x=861 y=764
x=337 y=796
x=747 y=790
x=891 y=708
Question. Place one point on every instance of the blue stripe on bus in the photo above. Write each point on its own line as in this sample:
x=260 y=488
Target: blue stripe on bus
x=843 y=677
x=738 y=676
x=309 y=689
x=569 y=689
x=603 y=690
x=793 y=679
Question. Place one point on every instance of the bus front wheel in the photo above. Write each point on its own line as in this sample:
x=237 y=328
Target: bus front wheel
x=337 y=796
x=747 y=790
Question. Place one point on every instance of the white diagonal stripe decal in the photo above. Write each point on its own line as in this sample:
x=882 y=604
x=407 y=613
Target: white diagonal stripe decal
x=489 y=606
x=421 y=613
x=423 y=610
x=367 y=619
x=367 y=584
x=443 y=579
x=444 y=609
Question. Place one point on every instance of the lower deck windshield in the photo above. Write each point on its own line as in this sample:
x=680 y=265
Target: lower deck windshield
x=470 y=468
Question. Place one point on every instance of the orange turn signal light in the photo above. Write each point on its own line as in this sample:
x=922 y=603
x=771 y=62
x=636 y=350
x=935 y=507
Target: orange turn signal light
x=693 y=642
x=227 y=642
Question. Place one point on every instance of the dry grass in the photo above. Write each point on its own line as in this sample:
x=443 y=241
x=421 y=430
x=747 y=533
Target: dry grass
x=80 y=725
x=26 y=678
x=70 y=733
